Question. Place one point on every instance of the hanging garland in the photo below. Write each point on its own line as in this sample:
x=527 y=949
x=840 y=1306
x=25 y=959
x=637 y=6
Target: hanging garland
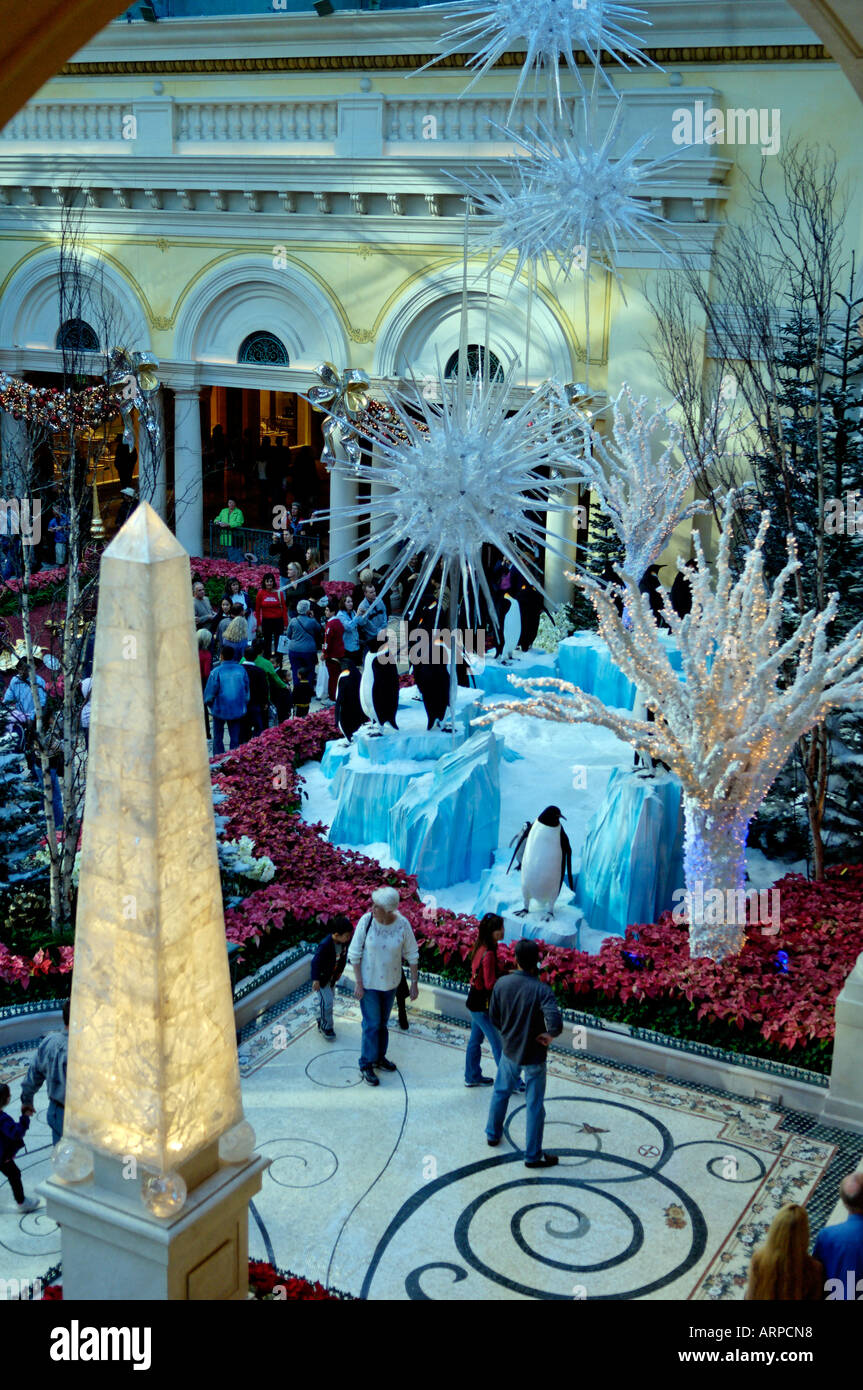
x=132 y=383
x=57 y=410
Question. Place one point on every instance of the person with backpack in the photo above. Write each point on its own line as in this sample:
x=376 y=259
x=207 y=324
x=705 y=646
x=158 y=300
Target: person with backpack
x=524 y=1011
x=12 y=1134
x=48 y=1068
x=257 y=716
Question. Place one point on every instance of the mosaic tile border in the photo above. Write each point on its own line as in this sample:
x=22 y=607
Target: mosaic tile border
x=744 y=1059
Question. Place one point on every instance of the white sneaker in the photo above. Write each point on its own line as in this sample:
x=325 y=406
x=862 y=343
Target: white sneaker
x=29 y=1204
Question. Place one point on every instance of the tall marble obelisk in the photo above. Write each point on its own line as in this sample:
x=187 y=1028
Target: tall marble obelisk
x=153 y=1078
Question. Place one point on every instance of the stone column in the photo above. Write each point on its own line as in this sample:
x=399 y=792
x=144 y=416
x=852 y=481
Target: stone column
x=844 y=1103
x=380 y=522
x=188 y=479
x=560 y=530
x=343 y=525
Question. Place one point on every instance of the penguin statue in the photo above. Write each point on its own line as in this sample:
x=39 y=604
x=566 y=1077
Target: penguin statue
x=348 y=711
x=546 y=858
x=432 y=678
x=379 y=686
x=511 y=630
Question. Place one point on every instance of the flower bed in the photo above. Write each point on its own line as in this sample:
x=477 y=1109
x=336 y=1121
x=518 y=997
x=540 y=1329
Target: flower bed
x=267 y=1284
x=44 y=585
x=758 y=1003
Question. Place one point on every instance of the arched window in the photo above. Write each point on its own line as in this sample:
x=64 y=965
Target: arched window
x=76 y=335
x=476 y=363
x=265 y=349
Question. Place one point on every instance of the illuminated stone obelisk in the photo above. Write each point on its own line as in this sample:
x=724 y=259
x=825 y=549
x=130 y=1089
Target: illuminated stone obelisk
x=153 y=1079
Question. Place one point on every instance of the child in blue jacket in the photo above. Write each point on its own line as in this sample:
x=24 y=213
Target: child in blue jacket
x=327 y=965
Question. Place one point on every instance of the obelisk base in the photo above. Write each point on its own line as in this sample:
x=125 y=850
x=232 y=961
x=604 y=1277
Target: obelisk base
x=844 y=1102
x=113 y=1249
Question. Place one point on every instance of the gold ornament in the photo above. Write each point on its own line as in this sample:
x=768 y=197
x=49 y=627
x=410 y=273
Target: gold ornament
x=343 y=396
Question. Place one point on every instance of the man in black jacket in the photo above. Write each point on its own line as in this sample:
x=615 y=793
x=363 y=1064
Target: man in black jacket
x=524 y=1010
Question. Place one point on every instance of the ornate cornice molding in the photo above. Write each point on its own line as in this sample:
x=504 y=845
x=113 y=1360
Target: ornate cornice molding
x=713 y=54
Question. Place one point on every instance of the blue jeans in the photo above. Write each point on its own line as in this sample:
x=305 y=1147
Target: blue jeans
x=376 y=1006
x=480 y=1028
x=55 y=1117
x=506 y=1081
x=234 y=726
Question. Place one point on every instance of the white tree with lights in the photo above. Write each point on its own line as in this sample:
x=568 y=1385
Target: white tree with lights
x=640 y=476
x=728 y=720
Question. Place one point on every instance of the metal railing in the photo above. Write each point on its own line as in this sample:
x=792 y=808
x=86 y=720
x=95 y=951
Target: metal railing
x=240 y=542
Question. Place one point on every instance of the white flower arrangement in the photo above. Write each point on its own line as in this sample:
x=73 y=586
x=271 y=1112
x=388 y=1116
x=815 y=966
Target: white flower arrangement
x=237 y=857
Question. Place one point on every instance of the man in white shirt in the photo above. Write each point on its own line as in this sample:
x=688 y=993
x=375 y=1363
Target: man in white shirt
x=383 y=938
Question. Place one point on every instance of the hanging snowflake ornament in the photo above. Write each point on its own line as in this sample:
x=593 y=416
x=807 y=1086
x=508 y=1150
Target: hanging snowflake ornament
x=550 y=32
x=470 y=469
x=567 y=203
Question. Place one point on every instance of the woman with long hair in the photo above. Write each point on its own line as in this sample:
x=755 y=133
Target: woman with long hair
x=271 y=614
x=782 y=1270
x=485 y=970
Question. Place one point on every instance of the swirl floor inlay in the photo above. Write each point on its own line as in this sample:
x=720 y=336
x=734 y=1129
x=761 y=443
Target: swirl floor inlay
x=662 y=1190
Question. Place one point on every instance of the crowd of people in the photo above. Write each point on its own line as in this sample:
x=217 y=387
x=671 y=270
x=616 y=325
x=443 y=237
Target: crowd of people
x=270 y=657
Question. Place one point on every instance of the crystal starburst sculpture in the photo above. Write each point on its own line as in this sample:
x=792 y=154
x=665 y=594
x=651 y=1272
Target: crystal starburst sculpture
x=567 y=201
x=475 y=467
x=550 y=31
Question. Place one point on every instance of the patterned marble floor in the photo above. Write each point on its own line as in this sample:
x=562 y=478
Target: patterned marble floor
x=661 y=1193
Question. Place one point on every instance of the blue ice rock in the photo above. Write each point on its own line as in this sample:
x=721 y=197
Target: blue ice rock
x=584 y=660
x=367 y=792
x=632 y=857
x=445 y=827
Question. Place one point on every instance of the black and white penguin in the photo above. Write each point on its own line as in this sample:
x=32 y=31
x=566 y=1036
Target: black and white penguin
x=348 y=711
x=432 y=678
x=546 y=857
x=511 y=630
x=379 y=686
